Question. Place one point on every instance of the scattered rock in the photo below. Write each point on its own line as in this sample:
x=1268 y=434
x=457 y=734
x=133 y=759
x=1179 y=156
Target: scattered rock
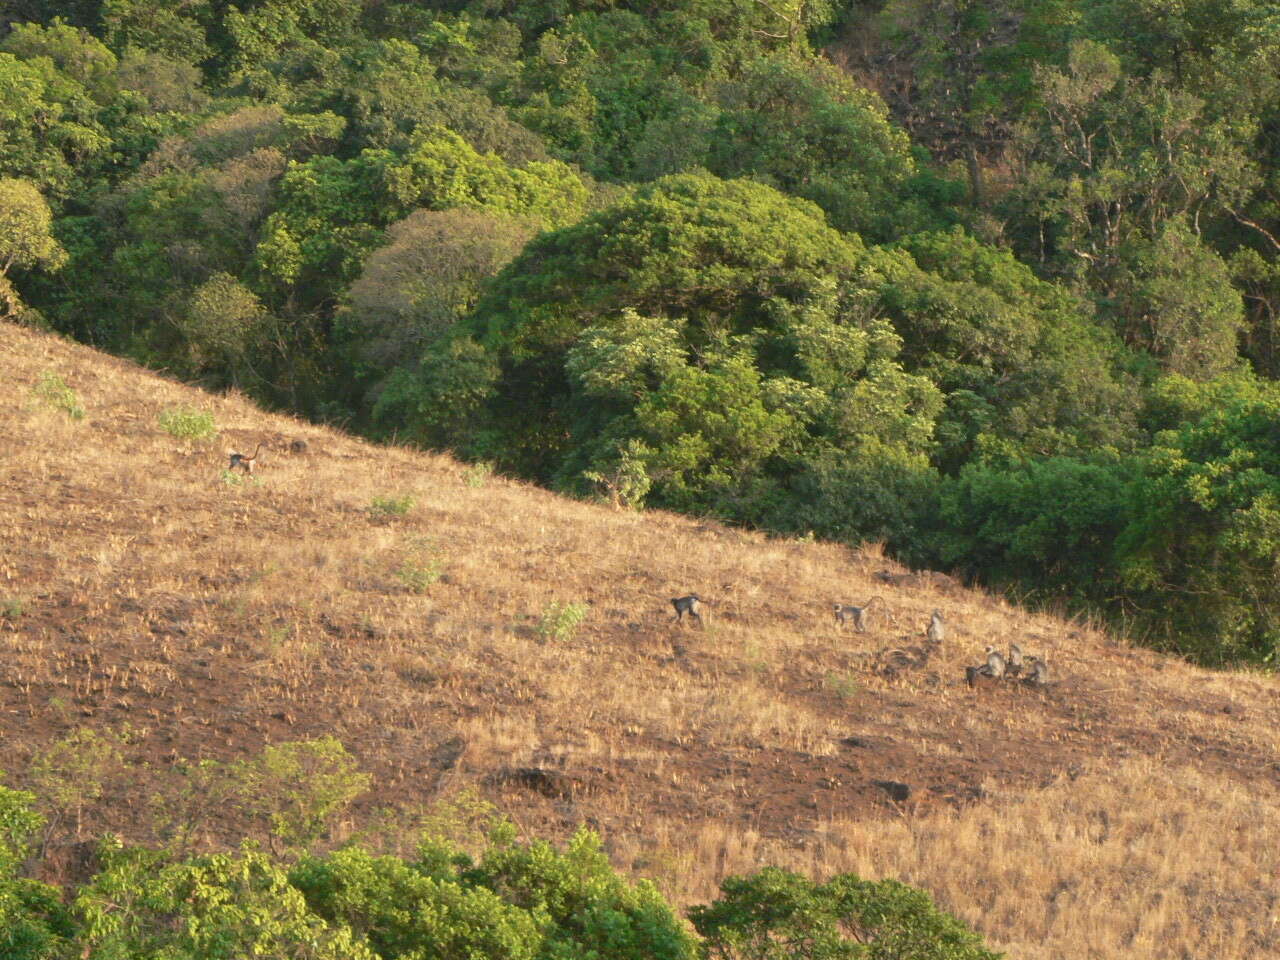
x=898 y=792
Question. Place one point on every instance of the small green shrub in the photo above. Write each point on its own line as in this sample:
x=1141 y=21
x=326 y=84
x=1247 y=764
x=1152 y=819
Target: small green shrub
x=560 y=621
x=19 y=822
x=300 y=787
x=478 y=474
x=625 y=482
x=188 y=424
x=73 y=773
x=843 y=685
x=386 y=507
x=11 y=608
x=186 y=803
x=420 y=567
x=53 y=390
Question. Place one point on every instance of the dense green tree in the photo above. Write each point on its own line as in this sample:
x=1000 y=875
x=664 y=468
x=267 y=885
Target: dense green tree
x=710 y=251
x=175 y=31
x=392 y=89
x=1047 y=525
x=1200 y=554
x=1175 y=300
x=703 y=332
x=807 y=130
x=167 y=85
x=226 y=329
x=77 y=55
x=278 y=46
x=25 y=238
x=592 y=911
x=332 y=213
x=427 y=277
x=404 y=913
x=48 y=129
x=1019 y=358
x=1110 y=159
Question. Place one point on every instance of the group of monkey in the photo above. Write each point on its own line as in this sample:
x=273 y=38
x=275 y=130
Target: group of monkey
x=997 y=666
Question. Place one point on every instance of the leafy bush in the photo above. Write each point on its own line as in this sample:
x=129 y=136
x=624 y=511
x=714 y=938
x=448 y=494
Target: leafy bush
x=188 y=424
x=72 y=773
x=217 y=907
x=385 y=507
x=402 y=912
x=19 y=822
x=776 y=914
x=53 y=390
x=33 y=920
x=300 y=787
x=592 y=912
x=560 y=621
x=419 y=568
x=520 y=900
x=844 y=685
x=478 y=474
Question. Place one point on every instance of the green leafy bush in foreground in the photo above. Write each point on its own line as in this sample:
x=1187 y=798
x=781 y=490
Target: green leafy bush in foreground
x=776 y=914
x=515 y=901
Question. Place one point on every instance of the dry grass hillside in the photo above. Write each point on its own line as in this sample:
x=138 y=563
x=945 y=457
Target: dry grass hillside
x=1131 y=810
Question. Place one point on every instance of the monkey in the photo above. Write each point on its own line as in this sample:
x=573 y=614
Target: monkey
x=937 y=629
x=688 y=604
x=1013 y=667
x=243 y=462
x=298 y=446
x=845 y=612
x=995 y=663
x=1039 y=675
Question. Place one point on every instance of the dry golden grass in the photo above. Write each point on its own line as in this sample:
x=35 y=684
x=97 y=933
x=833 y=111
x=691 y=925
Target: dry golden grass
x=1129 y=811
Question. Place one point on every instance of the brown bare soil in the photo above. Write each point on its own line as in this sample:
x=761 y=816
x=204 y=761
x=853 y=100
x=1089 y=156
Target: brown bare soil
x=1131 y=809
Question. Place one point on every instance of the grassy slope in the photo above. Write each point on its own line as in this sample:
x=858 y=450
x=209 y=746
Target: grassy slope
x=1130 y=810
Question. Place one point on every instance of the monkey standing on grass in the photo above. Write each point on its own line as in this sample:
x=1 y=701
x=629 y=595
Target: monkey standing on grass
x=937 y=629
x=688 y=604
x=243 y=462
x=846 y=611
